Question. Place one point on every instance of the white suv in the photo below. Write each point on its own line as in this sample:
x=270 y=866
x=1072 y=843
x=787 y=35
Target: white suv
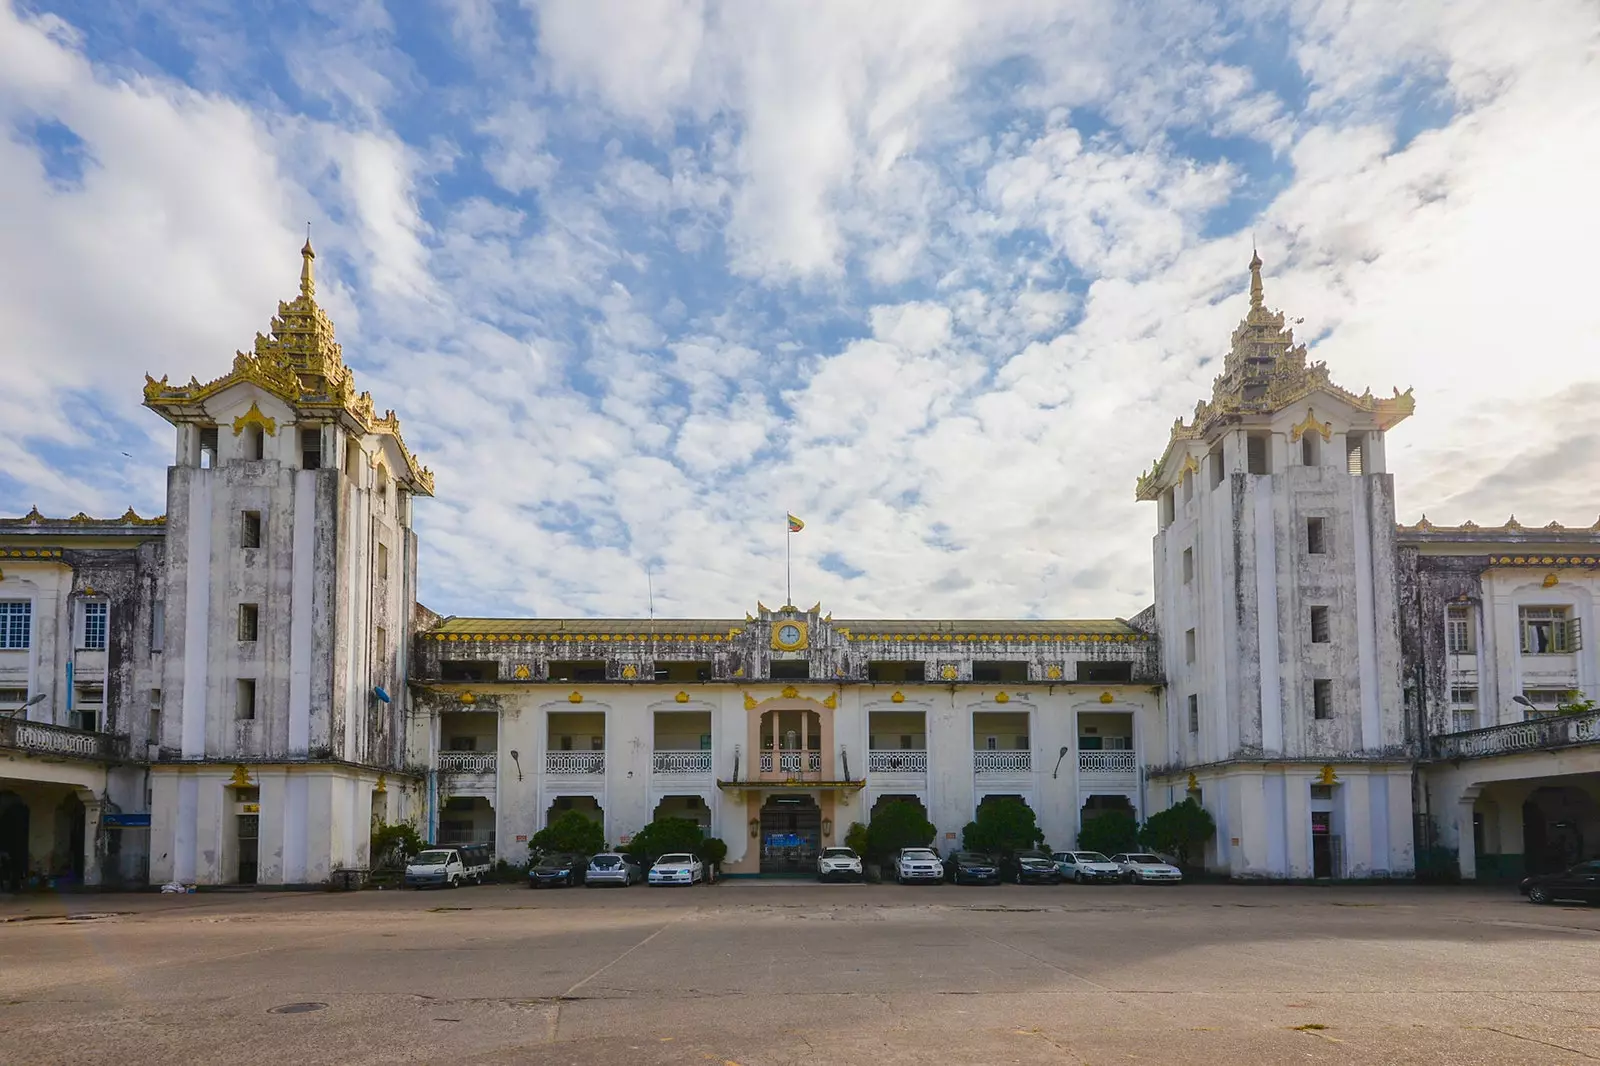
x=918 y=864
x=840 y=863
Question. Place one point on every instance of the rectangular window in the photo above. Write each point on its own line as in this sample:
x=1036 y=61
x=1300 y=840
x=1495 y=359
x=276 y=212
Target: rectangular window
x=896 y=670
x=1463 y=696
x=158 y=626
x=95 y=616
x=249 y=529
x=208 y=447
x=1311 y=450
x=566 y=743
x=1546 y=700
x=1322 y=698
x=12 y=699
x=155 y=716
x=1549 y=631
x=789 y=669
x=1316 y=536
x=1188 y=646
x=1105 y=671
x=16 y=624
x=577 y=670
x=991 y=743
x=1355 y=453
x=682 y=670
x=249 y=618
x=1320 y=629
x=1459 y=632
x=380 y=645
x=245 y=706
x=1255 y=453
x=705 y=741
x=1188 y=565
x=1008 y=673
x=1169 y=509
x=1194 y=713
x=480 y=670
x=1188 y=487
x=383 y=562
x=1214 y=464
x=1463 y=720
x=311 y=449
x=597 y=743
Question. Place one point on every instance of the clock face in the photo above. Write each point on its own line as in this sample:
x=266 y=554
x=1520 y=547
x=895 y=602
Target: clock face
x=789 y=634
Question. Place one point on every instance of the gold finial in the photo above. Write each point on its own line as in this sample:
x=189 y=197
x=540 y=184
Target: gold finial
x=1257 y=302
x=308 y=282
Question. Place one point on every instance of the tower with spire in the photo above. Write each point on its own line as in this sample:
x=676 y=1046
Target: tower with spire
x=1275 y=566
x=288 y=593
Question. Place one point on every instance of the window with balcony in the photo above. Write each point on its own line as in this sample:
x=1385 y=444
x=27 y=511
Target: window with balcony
x=1463 y=708
x=1549 y=631
x=1459 y=632
x=96 y=614
x=16 y=624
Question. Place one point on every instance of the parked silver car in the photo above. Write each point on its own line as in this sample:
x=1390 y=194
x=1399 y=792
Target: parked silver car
x=613 y=868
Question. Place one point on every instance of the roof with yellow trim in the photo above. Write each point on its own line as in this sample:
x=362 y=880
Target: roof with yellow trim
x=301 y=364
x=997 y=629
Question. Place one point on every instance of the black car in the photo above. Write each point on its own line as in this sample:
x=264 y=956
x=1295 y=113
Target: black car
x=1581 y=882
x=1035 y=869
x=557 y=870
x=971 y=868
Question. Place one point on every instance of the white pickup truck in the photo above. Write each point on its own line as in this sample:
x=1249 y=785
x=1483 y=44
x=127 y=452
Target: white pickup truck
x=918 y=864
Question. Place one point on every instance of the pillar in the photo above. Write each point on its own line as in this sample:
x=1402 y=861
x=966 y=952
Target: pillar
x=92 y=873
x=1465 y=848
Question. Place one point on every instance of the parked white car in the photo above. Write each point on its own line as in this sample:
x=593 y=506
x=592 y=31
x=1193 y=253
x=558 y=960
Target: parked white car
x=918 y=864
x=842 y=863
x=678 y=868
x=441 y=867
x=1143 y=868
x=1086 y=867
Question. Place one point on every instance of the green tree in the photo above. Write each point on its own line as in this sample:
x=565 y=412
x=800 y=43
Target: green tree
x=1004 y=826
x=1576 y=703
x=1180 y=831
x=572 y=832
x=1109 y=832
x=712 y=851
x=855 y=838
x=895 y=825
x=392 y=845
x=663 y=836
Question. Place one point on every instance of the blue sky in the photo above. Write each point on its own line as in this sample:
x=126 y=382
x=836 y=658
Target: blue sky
x=640 y=277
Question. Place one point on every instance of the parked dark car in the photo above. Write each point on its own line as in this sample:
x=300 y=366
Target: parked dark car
x=971 y=868
x=1011 y=866
x=1031 y=869
x=1581 y=882
x=557 y=870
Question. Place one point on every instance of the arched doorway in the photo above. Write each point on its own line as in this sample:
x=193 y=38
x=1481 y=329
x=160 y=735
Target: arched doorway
x=1560 y=826
x=791 y=831
x=13 y=841
x=68 y=861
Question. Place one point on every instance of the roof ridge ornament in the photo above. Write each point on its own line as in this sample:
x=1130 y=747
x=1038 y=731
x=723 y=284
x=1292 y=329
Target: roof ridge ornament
x=308 y=280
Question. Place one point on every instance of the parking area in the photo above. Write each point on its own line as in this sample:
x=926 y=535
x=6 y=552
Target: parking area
x=787 y=972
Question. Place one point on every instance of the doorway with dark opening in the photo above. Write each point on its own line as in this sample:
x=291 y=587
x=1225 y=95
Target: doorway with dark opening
x=791 y=830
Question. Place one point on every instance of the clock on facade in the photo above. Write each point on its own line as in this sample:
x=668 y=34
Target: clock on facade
x=789 y=636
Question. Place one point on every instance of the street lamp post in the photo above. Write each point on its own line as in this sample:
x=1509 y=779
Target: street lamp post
x=36 y=698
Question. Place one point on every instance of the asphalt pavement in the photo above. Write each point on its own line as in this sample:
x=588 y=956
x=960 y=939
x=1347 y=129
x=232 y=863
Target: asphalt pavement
x=757 y=974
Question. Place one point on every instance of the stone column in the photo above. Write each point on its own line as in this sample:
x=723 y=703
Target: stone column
x=92 y=874
x=1465 y=849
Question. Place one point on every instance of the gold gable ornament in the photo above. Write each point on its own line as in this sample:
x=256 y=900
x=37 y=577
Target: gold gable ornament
x=576 y=697
x=1327 y=776
x=749 y=702
x=832 y=702
x=630 y=672
x=898 y=697
x=1194 y=784
x=241 y=777
x=1001 y=697
x=383 y=783
x=254 y=417
x=682 y=697
x=790 y=692
x=1106 y=697
x=1323 y=429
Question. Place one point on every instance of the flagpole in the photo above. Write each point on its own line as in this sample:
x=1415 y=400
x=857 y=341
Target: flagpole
x=788 y=584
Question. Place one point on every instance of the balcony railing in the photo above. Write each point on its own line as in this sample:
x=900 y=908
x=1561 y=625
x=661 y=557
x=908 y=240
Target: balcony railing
x=897 y=761
x=1106 y=762
x=466 y=762
x=59 y=740
x=789 y=762
x=1002 y=762
x=680 y=762
x=1558 y=731
x=575 y=762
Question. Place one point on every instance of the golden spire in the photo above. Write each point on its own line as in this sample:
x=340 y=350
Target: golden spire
x=1257 y=302
x=308 y=283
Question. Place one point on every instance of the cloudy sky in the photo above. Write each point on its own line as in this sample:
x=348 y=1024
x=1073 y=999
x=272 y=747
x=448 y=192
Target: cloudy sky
x=641 y=275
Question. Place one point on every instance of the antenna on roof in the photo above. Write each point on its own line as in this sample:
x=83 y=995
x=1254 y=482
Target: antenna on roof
x=650 y=588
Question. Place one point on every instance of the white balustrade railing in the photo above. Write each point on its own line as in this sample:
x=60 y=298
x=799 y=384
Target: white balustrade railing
x=1002 y=762
x=575 y=762
x=897 y=761
x=1556 y=731
x=789 y=762
x=1107 y=762
x=680 y=762
x=466 y=762
x=59 y=740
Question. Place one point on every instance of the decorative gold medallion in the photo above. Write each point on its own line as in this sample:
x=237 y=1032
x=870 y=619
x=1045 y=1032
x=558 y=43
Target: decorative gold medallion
x=576 y=697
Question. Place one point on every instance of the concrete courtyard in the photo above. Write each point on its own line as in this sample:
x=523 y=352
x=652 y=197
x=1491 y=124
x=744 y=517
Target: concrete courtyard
x=759 y=974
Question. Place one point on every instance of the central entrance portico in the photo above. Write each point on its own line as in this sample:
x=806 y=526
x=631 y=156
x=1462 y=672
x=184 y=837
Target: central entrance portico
x=791 y=833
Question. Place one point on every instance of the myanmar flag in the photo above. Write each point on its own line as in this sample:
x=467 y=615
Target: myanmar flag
x=795 y=525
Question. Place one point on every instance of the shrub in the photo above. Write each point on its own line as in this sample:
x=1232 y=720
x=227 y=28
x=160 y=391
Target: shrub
x=855 y=838
x=1110 y=832
x=712 y=851
x=392 y=845
x=895 y=825
x=1180 y=831
x=1004 y=826
x=571 y=832
x=665 y=835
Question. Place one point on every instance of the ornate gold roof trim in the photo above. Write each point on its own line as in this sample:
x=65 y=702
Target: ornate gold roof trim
x=1511 y=525
x=1264 y=372
x=300 y=363
x=128 y=518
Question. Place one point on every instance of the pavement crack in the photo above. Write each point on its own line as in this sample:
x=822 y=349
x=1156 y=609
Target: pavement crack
x=1536 y=1040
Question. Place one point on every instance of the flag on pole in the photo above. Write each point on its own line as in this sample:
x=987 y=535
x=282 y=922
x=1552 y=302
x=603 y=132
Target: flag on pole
x=795 y=525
